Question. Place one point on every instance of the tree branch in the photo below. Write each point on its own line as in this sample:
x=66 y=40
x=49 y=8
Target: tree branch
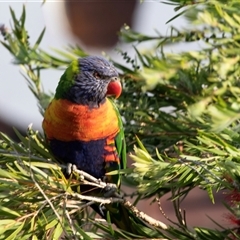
x=115 y=198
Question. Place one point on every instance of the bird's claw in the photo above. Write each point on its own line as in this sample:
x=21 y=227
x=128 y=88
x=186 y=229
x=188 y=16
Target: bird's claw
x=111 y=190
x=102 y=209
x=70 y=170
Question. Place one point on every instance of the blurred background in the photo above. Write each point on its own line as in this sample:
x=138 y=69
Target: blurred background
x=93 y=25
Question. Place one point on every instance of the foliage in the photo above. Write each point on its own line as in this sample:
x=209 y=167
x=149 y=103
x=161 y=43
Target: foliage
x=194 y=143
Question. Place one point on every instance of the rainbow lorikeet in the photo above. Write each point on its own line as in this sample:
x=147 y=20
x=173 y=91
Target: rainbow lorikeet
x=83 y=127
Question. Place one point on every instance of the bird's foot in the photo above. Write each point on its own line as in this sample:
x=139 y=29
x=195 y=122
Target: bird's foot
x=111 y=191
x=70 y=170
x=102 y=210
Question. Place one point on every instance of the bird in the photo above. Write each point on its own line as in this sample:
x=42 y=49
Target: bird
x=83 y=127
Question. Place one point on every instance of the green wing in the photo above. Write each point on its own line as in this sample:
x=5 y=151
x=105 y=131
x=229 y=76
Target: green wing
x=122 y=217
x=120 y=146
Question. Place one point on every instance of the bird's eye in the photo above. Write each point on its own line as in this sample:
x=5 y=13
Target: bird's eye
x=96 y=75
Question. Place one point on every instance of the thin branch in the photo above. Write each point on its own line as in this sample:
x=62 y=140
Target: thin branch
x=75 y=233
x=116 y=199
x=46 y=202
x=99 y=183
x=76 y=208
x=110 y=188
x=47 y=199
x=187 y=163
x=96 y=199
x=164 y=214
x=153 y=222
x=178 y=211
x=125 y=203
x=44 y=195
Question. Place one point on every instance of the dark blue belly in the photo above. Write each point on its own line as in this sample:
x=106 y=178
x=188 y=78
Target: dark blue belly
x=87 y=156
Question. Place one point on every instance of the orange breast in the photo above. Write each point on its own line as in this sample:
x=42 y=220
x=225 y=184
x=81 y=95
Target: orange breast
x=66 y=121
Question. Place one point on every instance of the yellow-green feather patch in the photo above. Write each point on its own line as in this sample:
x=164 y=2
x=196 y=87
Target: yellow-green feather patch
x=67 y=79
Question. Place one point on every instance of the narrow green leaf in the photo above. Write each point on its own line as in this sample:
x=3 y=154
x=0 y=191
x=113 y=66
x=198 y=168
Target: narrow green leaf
x=110 y=223
x=13 y=17
x=16 y=232
x=186 y=174
x=58 y=232
x=23 y=16
x=39 y=39
x=34 y=237
x=140 y=144
x=9 y=212
x=51 y=224
x=176 y=16
x=86 y=236
x=210 y=193
x=7 y=47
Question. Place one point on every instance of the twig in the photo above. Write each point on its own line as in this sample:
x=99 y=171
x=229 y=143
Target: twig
x=125 y=203
x=70 y=220
x=44 y=195
x=76 y=208
x=144 y=216
x=96 y=199
x=111 y=189
x=164 y=214
x=178 y=211
x=47 y=200
x=186 y=162
x=117 y=199
x=99 y=183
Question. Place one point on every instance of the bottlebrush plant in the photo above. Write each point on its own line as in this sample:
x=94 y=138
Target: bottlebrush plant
x=193 y=144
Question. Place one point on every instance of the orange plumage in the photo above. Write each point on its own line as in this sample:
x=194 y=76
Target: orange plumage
x=66 y=121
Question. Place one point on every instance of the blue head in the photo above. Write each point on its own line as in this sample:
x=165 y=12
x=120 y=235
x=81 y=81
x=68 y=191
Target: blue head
x=91 y=84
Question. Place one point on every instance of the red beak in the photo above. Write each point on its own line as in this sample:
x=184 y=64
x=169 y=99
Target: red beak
x=114 y=88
